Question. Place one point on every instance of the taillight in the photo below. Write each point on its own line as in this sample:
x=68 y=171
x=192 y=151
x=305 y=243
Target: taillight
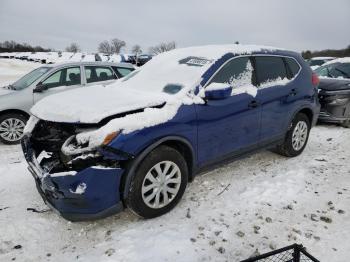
x=315 y=80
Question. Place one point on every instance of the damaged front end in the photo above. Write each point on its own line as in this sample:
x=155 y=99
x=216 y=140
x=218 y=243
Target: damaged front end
x=335 y=105
x=77 y=181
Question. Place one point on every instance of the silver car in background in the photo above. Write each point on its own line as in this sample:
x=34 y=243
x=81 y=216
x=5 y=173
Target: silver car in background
x=17 y=99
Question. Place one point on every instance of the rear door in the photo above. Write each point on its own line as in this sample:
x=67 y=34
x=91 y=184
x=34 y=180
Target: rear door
x=99 y=75
x=276 y=93
x=61 y=80
x=232 y=125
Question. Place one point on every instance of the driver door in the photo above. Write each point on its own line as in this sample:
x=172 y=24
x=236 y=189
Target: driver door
x=232 y=125
x=61 y=80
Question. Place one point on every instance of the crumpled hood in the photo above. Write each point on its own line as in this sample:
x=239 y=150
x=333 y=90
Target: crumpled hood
x=334 y=84
x=94 y=103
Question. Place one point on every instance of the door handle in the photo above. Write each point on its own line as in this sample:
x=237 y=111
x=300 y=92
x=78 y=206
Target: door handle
x=253 y=104
x=293 y=92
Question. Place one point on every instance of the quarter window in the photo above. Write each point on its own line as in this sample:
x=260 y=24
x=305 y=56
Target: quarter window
x=98 y=74
x=237 y=72
x=269 y=68
x=293 y=66
x=122 y=71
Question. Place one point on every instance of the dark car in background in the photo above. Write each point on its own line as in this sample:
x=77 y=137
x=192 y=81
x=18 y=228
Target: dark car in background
x=334 y=91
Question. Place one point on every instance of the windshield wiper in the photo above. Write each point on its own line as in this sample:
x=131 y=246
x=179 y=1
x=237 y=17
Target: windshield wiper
x=11 y=87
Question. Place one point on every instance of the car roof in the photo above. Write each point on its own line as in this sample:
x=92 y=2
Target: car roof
x=97 y=63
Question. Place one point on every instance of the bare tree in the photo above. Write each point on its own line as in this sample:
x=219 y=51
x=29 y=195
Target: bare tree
x=117 y=45
x=162 y=47
x=73 y=47
x=105 y=47
x=136 y=50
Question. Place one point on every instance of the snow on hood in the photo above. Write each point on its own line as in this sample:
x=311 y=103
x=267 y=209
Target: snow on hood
x=92 y=104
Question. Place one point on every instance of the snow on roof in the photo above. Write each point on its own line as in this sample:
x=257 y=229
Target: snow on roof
x=184 y=66
x=338 y=60
x=322 y=58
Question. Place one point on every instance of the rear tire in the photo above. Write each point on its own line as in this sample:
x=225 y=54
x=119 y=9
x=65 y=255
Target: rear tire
x=11 y=128
x=159 y=183
x=346 y=123
x=296 y=137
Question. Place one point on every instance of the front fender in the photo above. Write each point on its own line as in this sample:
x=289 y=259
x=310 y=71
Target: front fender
x=132 y=166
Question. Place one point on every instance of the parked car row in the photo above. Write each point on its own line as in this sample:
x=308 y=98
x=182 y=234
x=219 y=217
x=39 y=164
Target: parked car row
x=316 y=62
x=17 y=99
x=65 y=57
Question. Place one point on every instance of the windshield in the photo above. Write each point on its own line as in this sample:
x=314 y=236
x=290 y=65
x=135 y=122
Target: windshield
x=336 y=70
x=29 y=78
x=169 y=73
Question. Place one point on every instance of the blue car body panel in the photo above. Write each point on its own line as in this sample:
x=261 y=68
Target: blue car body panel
x=212 y=131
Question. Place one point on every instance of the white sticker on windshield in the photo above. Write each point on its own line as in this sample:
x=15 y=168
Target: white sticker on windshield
x=194 y=61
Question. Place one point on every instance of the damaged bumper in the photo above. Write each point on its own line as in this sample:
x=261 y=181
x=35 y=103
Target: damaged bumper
x=90 y=193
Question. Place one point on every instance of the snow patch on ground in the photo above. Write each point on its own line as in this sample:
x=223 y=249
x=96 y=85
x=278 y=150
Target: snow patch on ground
x=261 y=202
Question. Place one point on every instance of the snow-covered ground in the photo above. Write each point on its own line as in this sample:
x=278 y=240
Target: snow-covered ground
x=254 y=204
x=12 y=69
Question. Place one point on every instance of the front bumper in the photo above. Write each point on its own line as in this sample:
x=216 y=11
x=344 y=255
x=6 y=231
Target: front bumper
x=91 y=193
x=329 y=118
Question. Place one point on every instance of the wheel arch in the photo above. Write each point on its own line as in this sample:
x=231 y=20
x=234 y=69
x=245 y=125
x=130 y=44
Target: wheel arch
x=179 y=143
x=14 y=111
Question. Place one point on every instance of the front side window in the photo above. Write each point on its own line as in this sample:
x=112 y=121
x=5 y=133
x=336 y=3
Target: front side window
x=64 y=77
x=98 y=74
x=237 y=73
x=30 y=78
x=269 y=68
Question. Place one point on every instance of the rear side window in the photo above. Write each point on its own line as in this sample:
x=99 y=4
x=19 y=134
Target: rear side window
x=269 y=68
x=236 y=72
x=293 y=66
x=98 y=74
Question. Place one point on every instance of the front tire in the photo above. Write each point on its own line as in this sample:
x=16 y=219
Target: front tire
x=11 y=128
x=159 y=183
x=296 y=137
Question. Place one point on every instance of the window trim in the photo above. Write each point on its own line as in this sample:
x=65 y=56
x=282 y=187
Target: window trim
x=252 y=60
x=62 y=68
x=105 y=66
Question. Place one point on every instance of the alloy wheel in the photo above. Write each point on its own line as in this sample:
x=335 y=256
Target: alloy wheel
x=161 y=184
x=11 y=129
x=299 y=136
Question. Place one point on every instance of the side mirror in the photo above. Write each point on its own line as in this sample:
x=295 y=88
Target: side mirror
x=218 y=91
x=39 y=88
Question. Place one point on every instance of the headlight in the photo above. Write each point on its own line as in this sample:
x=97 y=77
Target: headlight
x=71 y=147
x=110 y=137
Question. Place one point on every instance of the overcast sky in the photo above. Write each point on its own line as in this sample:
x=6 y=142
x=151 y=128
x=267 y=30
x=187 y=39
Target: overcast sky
x=292 y=24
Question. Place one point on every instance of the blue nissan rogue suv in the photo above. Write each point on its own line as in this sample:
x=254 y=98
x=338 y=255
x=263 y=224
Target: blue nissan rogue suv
x=138 y=142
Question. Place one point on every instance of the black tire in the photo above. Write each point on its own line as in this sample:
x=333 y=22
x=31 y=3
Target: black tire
x=346 y=123
x=287 y=149
x=19 y=117
x=135 y=200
